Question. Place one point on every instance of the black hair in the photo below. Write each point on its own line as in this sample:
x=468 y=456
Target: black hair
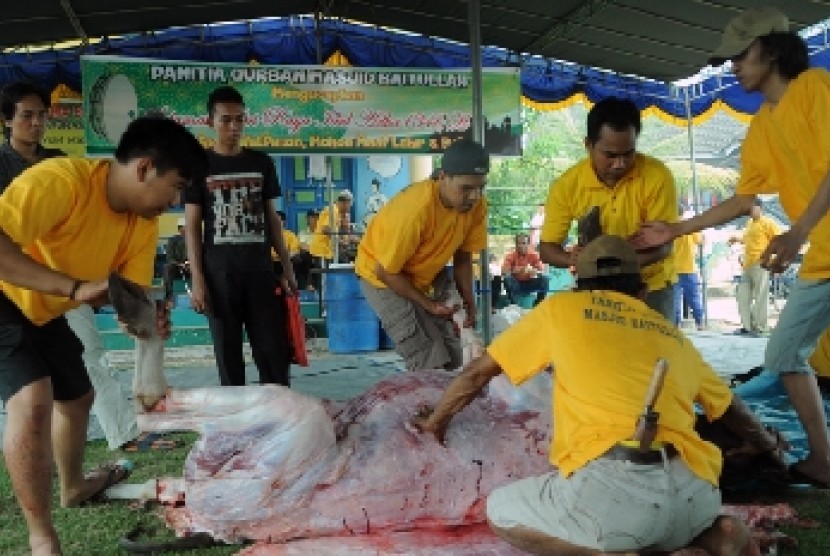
x=15 y=92
x=312 y=212
x=617 y=113
x=521 y=234
x=281 y=214
x=628 y=284
x=168 y=144
x=789 y=52
x=225 y=93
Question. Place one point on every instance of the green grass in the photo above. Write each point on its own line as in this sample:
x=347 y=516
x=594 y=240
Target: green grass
x=95 y=530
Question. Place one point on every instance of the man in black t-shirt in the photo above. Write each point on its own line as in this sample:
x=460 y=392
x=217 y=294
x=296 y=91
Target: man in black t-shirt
x=230 y=256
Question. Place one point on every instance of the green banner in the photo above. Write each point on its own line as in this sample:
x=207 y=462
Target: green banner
x=306 y=109
x=65 y=127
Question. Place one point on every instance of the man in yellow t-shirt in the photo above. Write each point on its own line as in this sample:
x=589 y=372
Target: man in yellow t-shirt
x=65 y=225
x=753 y=289
x=608 y=494
x=402 y=258
x=786 y=151
x=688 y=279
x=292 y=246
x=322 y=242
x=628 y=187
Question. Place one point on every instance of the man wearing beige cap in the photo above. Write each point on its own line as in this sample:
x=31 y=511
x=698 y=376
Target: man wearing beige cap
x=786 y=151
x=610 y=493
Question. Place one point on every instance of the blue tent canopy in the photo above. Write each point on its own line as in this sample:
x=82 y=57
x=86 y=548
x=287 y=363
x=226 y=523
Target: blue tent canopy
x=294 y=40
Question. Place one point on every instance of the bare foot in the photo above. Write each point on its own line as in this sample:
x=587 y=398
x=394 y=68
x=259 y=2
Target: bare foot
x=45 y=545
x=728 y=536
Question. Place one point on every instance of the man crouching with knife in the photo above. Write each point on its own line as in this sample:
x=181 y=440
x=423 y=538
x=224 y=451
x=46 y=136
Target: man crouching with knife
x=627 y=479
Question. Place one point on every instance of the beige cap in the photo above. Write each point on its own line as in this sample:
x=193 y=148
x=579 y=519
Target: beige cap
x=742 y=31
x=607 y=256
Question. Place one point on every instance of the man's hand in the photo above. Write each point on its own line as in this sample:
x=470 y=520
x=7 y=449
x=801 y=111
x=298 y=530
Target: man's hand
x=442 y=310
x=95 y=294
x=652 y=234
x=424 y=423
x=199 y=295
x=469 y=317
x=289 y=283
x=782 y=251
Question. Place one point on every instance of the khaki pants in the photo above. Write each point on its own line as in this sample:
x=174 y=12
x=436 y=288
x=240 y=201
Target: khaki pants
x=423 y=340
x=753 y=298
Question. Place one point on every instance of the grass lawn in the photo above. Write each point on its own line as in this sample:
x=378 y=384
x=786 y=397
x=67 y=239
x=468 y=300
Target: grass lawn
x=96 y=529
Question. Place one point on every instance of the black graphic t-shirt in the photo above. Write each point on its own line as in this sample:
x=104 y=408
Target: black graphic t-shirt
x=237 y=235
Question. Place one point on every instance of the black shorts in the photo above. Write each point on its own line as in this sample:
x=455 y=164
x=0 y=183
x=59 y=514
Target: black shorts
x=29 y=353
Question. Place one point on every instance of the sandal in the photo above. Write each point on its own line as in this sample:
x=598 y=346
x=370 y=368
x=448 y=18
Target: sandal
x=148 y=441
x=115 y=473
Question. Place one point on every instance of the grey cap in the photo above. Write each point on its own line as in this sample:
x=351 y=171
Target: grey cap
x=465 y=157
x=743 y=29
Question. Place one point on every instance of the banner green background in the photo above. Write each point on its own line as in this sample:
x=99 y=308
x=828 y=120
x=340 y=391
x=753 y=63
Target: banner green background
x=305 y=109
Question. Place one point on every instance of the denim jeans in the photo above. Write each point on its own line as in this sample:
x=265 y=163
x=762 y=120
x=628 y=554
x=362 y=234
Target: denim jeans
x=688 y=288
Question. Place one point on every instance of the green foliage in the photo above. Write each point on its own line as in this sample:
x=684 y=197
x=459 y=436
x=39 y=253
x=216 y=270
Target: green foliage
x=554 y=141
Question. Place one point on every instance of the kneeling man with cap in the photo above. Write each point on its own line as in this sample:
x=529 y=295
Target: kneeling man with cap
x=613 y=490
x=401 y=258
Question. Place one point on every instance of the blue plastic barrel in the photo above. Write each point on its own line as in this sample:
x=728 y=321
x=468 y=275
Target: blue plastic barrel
x=352 y=324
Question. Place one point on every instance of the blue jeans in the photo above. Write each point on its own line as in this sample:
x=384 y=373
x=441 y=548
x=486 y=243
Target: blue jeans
x=516 y=288
x=688 y=288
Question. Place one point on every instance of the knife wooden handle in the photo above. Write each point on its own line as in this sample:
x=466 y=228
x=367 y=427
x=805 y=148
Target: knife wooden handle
x=658 y=377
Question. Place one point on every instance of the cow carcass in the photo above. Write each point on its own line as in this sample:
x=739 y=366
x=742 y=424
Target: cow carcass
x=274 y=465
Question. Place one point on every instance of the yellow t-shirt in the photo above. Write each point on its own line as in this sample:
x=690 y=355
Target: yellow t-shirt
x=685 y=253
x=58 y=212
x=820 y=359
x=646 y=193
x=416 y=235
x=757 y=235
x=603 y=347
x=322 y=245
x=787 y=151
x=291 y=242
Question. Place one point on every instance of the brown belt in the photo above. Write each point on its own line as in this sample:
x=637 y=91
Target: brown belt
x=635 y=455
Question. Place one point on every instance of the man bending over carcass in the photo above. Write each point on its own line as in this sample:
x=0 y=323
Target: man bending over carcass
x=615 y=490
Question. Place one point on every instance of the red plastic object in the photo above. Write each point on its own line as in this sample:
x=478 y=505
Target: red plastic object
x=295 y=324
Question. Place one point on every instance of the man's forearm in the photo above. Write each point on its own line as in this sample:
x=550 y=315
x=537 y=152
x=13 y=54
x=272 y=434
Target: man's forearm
x=18 y=268
x=464 y=388
x=554 y=254
x=739 y=419
x=730 y=209
x=463 y=276
x=402 y=286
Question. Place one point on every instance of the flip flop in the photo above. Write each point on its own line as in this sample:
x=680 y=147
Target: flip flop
x=798 y=477
x=116 y=472
x=138 y=541
x=148 y=441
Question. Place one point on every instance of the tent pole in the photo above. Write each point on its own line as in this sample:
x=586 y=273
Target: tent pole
x=334 y=233
x=474 y=20
x=696 y=200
